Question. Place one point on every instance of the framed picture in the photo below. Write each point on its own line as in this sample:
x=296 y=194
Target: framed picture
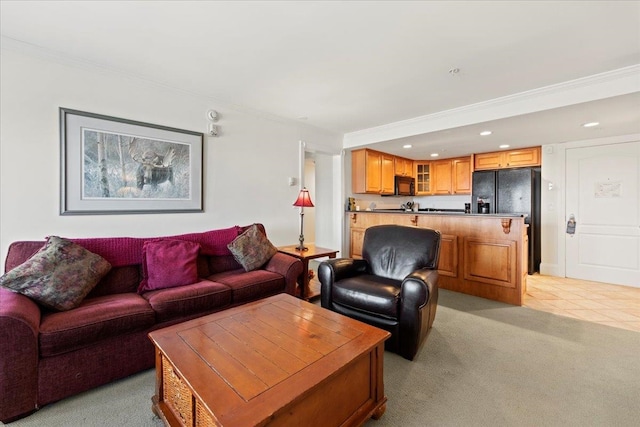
x=116 y=166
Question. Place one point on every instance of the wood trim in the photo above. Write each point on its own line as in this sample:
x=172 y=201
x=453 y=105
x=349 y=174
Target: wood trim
x=448 y=261
x=490 y=261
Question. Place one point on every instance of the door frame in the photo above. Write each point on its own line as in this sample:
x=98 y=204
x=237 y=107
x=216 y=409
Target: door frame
x=328 y=196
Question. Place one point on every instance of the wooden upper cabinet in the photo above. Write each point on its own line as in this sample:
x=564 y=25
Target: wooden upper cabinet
x=387 y=173
x=461 y=175
x=403 y=167
x=371 y=172
x=441 y=172
x=408 y=167
x=525 y=157
x=507 y=159
x=451 y=176
x=487 y=161
x=422 y=173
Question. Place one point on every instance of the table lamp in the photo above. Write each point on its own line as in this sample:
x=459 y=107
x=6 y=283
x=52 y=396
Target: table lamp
x=303 y=201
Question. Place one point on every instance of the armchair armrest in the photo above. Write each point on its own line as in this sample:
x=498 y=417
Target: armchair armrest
x=418 y=295
x=333 y=270
x=19 y=328
x=418 y=287
x=289 y=267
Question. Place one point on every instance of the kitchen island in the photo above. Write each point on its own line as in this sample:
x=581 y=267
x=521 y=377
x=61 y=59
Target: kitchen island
x=480 y=254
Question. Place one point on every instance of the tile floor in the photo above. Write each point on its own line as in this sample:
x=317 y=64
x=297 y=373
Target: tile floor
x=613 y=305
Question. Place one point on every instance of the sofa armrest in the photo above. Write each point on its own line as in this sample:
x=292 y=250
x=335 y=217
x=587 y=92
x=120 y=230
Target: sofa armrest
x=287 y=266
x=19 y=326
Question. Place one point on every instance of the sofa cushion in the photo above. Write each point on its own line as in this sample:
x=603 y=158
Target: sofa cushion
x=95 y=319
x=59 y=275
x=252 y=249
x=252 y=285
x=167 y=263
x=200 y=297
x=119 y=280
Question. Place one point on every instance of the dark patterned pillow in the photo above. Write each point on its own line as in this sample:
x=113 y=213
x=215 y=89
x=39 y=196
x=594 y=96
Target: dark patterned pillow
x=252 y=249
x=59 y=275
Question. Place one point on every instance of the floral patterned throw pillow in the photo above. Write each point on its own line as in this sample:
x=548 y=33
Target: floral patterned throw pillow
x=59 y=275
x=252 y=249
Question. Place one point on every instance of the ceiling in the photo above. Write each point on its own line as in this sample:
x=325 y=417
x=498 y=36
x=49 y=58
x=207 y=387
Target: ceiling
x=353 y=67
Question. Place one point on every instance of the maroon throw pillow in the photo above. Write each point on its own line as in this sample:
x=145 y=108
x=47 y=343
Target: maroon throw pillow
x=168 y=263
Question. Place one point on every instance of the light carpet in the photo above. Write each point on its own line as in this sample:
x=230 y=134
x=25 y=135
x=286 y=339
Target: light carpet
x=484 y=364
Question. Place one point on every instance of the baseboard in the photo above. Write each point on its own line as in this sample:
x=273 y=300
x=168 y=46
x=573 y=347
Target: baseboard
x=552 y=270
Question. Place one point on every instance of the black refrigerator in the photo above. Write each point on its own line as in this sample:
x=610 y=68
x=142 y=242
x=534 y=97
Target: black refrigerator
x=512 y=191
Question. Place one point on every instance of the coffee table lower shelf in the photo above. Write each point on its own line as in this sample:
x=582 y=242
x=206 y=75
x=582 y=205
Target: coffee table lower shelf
x=335 y=374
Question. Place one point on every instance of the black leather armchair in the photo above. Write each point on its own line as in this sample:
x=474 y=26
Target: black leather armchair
x=394 y=287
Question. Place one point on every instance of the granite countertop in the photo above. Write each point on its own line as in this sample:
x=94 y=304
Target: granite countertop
x=432 y=211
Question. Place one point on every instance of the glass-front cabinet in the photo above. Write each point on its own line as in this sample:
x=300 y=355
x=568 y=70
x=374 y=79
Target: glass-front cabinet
x=423 y=181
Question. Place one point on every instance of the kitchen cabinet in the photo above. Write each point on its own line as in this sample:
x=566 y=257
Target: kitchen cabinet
x=461 y=175
x=372 y=172
x=423 y=178
x=441 y=170
x=387 y=181
x=358 y=223
x=451 y=176
x=507 y=159
x=403 y=167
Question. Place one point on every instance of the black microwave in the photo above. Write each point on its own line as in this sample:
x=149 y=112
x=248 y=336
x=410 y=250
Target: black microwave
x=404 y=186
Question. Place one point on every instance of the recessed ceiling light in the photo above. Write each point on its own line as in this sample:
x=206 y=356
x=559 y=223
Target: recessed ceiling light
x=504 y=146
x=407 y=146
x=590 y=124
x=434 y=154
x=485 y=132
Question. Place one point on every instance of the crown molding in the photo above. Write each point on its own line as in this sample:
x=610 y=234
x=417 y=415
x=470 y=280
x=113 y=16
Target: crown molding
x=598 y=86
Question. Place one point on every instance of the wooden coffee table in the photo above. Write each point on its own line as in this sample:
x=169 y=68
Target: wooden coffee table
x=279 y=361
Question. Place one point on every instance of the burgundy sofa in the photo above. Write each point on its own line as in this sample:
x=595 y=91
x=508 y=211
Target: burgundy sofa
x=46 y=356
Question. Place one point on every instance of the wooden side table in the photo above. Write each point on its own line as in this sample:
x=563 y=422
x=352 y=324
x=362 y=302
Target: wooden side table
x=312 y=252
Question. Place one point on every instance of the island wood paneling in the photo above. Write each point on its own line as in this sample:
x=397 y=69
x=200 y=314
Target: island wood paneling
x=448 y=262
x=490 y=261
x=478 y=254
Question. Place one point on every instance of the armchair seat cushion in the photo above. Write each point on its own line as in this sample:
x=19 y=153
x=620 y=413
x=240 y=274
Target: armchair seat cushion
x=370 y=294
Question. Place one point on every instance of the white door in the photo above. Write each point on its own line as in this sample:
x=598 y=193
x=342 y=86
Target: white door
x=603 y=195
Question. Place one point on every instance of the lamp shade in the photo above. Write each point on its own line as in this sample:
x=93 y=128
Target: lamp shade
x=303 y=200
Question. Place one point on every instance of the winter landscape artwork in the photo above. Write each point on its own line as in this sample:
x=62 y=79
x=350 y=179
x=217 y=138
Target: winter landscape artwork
x=112 y=165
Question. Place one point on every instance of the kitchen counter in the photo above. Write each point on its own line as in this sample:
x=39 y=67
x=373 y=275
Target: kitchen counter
x=480 y=254
x=438 y=212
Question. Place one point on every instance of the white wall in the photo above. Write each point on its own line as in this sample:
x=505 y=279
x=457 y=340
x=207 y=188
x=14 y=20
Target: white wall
x=245 y=169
